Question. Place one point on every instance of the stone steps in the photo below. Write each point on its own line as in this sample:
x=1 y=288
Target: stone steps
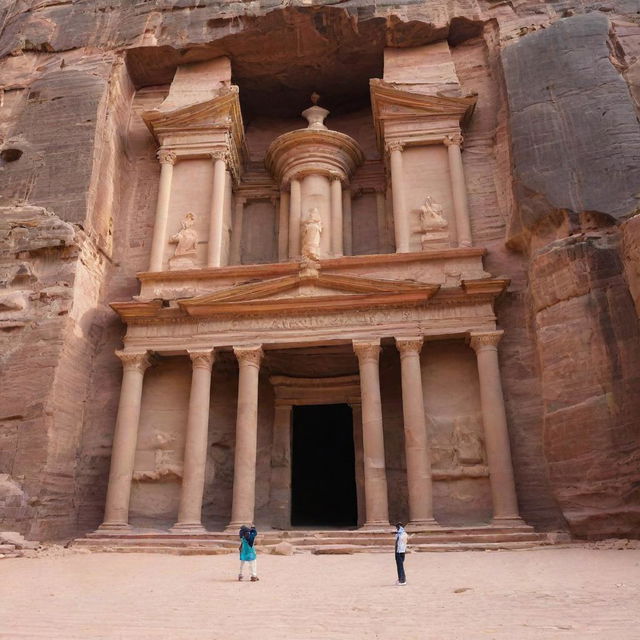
x=212 y=543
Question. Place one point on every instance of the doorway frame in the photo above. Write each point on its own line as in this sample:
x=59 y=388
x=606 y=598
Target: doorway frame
x=290 y=392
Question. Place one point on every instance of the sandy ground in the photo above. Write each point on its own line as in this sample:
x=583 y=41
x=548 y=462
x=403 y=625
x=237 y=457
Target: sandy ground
x=552 y=593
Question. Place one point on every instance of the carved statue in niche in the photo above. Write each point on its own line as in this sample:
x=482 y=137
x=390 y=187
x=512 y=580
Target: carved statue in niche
x=433 y=225
x=186 y=241
x=311 y=234
x=467 y=440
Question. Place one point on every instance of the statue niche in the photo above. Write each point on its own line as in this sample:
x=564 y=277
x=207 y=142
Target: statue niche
x=186 y=241
x=433 y=226
x=311 y=236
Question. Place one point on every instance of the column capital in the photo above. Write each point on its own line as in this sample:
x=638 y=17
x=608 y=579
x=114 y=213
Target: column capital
x=367 y=350
x=220 y=154
x=202 y=359
x=335 y=176
x=482 y=340
x=409 y=346
x=249 y=355
x=394 y=145
x=166 y=157
x=139 y=361
x=453 y=139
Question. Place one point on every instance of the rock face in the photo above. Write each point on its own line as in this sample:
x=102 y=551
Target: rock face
x=558 y=101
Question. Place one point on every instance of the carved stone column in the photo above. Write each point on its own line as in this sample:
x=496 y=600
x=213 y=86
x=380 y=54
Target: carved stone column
x=283 y=227
x=356 y=410
x=336 y=216
x=167 y=159
x=125 y=438
x=418 y=454
x=375 y=477
x=216 y=218
x=400 y=213
x=347 y=225
x=281 y=467
x=195 y=446
x=459 y=190
x=496 y=434
x=244 y=471
x=295 y=214
x=235 y=256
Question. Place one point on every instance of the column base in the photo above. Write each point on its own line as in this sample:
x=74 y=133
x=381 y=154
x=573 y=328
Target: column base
x=423 y=525
x=188 y=527
x=376 y=525
x=114 y=526
x=234 y=527
x=508 y=521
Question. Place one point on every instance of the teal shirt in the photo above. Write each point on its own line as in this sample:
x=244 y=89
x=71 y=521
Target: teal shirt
x=247 y=553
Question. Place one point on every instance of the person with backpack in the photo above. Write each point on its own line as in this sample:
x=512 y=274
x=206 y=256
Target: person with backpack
x=247 y=551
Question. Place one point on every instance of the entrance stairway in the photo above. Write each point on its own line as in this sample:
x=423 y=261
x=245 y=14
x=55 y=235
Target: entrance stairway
x=322 y=542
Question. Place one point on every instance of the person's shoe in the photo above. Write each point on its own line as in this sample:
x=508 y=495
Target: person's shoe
x=254 y=578
x=402 y=584
x=240 y=578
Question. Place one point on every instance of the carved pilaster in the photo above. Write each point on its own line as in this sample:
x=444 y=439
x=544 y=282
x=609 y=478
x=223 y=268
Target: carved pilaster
x=166 y=157
x=202 y=359
x=137 y=361
x=249 y=355
x=485 y=340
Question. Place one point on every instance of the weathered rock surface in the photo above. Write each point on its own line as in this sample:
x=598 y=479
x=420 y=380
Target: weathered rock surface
x=558 y=98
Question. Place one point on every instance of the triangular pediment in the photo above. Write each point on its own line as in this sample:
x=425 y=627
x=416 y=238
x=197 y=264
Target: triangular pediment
x=314 y=293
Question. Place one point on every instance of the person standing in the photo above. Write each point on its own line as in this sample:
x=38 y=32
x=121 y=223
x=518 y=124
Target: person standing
x=401 y=549
x=247 y=551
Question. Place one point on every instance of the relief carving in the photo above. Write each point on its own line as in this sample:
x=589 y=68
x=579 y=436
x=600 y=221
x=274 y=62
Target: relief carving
x=311 y=235
x=467 y=440
x=433 y=225
x=186 y=241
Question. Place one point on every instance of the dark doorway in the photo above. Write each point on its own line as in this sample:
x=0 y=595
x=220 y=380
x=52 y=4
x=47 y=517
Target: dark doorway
x=323 y=486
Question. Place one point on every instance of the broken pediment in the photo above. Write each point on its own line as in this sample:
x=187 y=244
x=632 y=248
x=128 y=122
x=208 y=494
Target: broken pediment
x=298 y=293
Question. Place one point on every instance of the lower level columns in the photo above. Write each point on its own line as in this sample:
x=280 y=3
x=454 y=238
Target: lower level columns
x=195 y=448
x=375 y=477
x=503 y=489
x=418 y=455
x=116 y=514
x=244 y=471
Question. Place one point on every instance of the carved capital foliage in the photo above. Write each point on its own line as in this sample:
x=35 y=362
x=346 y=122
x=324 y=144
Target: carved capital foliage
x=485 y=340
x=453 y=139
x=220 y=154
x=367 y=350
x=249 y=355
x=202 y=359
x=166 y=157
x=409 y=346
x=139 y=361
x=395 y=145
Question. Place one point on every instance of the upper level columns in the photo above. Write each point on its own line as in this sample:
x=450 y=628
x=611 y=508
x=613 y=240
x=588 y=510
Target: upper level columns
x=375 y=476
x=336 y=215
x=166 y=159
x=244 y=471
x=418 y=454
x=400 y=213
x=295 y=215
x=459 y=189
x=195 y=447
x=503 y=490
x=116 y=515
x=216 y=217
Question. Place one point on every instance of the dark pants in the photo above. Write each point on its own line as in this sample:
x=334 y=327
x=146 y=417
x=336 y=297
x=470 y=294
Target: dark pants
x=400 y=567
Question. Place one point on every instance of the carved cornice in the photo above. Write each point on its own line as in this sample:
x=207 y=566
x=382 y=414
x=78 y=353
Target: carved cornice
x=483 y=341
x=454 y=139
x=202 y=359
x=409 y=346
x=166 y=157
x=249 y=356
x=367 y=350
x=134 y=361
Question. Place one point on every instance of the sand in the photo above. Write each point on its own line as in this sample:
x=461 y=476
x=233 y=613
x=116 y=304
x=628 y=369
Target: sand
x=546 y=593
